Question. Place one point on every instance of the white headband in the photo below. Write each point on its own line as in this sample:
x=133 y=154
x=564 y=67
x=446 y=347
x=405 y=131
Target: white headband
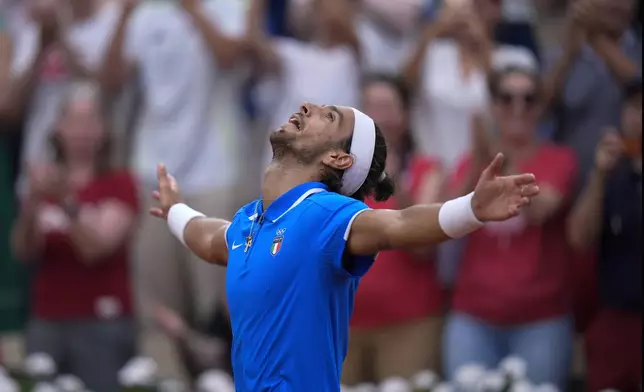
x=363 y=144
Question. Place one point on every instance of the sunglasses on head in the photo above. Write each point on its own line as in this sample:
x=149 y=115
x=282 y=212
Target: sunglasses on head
x=507 y=98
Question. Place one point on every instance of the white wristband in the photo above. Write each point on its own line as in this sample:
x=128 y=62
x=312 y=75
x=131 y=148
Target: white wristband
x=178 y=217
x=457 y=218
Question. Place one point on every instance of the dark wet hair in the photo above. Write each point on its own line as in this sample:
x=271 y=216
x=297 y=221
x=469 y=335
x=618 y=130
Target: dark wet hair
x=372 y=186
x=497 y=77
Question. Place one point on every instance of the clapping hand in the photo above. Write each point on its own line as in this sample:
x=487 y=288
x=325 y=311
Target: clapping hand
x=609 y=150
x=46 y=181
x=167 y=194
x=499 y=198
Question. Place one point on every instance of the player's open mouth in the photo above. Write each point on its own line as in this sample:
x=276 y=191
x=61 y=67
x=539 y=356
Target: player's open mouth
x=295 y=120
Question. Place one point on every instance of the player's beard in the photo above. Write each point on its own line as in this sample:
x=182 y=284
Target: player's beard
x=286 y=148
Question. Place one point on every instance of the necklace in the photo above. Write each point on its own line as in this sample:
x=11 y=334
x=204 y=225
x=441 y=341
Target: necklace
x=249 y=238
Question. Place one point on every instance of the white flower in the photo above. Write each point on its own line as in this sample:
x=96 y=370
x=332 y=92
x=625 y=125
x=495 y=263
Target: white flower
x=546 y=388
x=138 y=371
x=69 y=383
x=469 y=376
x=44 y=387
x=172 y=386
x=515 y=367
x=40 y=365
x=8 y=385
x=492 y=381
x=365 y=387
x=395 y=384
x=444 y=387
x=424 y=380
x=215 y=381
x=522 y=386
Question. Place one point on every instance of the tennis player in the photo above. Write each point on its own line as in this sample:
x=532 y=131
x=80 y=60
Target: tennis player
x=296 y=255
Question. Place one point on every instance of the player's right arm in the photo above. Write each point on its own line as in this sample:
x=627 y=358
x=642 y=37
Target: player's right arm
x=205 y=237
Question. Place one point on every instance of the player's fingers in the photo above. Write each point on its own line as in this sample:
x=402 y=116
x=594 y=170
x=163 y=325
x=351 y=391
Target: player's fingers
x=529 y=190
x=494 y=168
x=156 y=212
x=172 y=182
x=156 y=195
x=162 y=174
x=524 y=179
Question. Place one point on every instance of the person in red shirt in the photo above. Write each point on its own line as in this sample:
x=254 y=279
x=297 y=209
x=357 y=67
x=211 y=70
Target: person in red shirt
x=75 y=225
x=511 y=293
x=396 y=322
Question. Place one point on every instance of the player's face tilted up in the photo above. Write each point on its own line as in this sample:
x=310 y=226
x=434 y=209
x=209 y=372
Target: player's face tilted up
x=315 y=135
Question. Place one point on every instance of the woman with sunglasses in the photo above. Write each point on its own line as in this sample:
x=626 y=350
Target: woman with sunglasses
x=511 y=295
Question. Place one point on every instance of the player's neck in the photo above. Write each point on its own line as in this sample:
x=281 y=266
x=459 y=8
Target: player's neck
x=280 y=178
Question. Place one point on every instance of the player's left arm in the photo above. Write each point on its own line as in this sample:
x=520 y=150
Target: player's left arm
x=494 y=198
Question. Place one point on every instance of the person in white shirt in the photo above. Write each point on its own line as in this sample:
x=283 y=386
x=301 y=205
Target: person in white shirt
x=387 y=30
x=325 y=68
x=187 y=56
x=61 y=42
x=448 y=71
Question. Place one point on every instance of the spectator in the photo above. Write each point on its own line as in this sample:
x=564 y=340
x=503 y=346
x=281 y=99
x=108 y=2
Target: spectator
x=396 y=322
x=187 y=56
x=598 y=54
x=324 y=69
x=201 y=350
x=609 y=214
x=75 y=223
x=61 y=41
x=12 y=305
x=386 y=30
x=511 y=292
x=448 y=71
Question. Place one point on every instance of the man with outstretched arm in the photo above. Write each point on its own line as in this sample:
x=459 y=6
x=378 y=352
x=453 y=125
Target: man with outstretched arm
x=295 y=256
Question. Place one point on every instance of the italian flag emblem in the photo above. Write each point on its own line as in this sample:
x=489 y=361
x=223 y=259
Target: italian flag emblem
x=277 y=244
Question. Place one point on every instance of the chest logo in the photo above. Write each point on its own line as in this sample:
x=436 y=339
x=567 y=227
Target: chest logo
x=277 y=241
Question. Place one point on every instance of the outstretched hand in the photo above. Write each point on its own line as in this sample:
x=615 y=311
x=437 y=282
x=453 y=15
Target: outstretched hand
x=498 y=198
x=167 y=194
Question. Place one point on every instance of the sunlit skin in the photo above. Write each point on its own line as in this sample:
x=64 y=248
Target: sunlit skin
x=311 y=140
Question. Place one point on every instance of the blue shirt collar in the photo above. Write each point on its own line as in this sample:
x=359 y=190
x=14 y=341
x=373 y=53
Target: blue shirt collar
x=290 y=200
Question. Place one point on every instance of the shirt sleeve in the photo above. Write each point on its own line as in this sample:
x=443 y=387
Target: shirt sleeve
x=24 y=53
x=334 y=237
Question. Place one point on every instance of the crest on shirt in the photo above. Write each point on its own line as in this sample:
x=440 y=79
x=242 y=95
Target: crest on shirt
x=277 y=241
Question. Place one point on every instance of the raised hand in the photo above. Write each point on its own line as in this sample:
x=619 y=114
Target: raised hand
x=609 y=150
x=167 y=194
x=500 y=198
x=46 y=181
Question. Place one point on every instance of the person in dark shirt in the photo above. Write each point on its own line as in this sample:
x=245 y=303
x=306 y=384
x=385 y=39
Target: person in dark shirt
x=608 y=214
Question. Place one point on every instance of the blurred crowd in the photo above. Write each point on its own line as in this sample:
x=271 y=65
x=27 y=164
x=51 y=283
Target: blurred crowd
x=95 y=93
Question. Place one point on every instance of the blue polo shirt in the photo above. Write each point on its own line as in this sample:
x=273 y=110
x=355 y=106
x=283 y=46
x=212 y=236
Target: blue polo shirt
x=290 y=295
